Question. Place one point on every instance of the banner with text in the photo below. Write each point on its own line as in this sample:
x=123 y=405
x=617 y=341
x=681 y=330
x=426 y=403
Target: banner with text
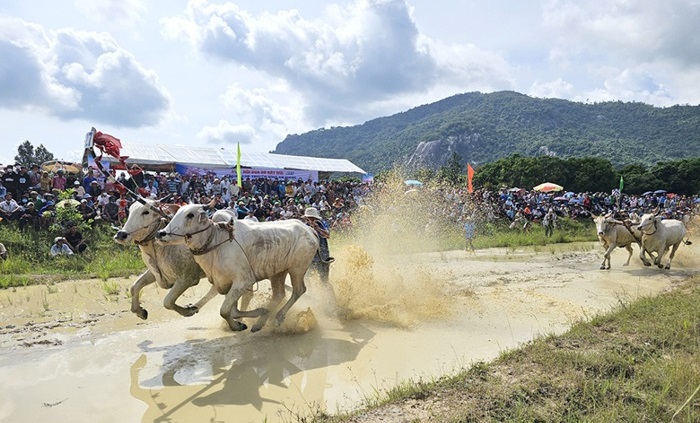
x=250 y=173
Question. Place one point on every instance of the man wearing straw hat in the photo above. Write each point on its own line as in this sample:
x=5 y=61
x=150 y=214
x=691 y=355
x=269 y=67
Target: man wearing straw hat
x=322 y=259
x=60 y=247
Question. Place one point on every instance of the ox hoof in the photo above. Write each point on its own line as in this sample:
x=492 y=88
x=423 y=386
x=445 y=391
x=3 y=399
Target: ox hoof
x=190 y=311
x=602 y=267
x=255 y=328
x=661 y=266
x=143 y=314
x=237 y=326
x=647 y=264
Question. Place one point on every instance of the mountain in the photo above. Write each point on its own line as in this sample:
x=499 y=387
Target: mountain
x=484 y=127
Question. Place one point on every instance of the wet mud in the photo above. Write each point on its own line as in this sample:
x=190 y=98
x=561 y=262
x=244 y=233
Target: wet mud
x=73 y=352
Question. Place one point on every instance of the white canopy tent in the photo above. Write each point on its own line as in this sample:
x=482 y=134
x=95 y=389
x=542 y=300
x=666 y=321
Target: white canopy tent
x=211 y=157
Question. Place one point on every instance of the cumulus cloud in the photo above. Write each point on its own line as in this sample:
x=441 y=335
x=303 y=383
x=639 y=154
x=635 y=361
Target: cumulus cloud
x=642 y=31
x=269 y=115
x=76 y=75
x=631 y=85
x=116 y=13
x=365 y=53
x=552 y=89
x=226 y=133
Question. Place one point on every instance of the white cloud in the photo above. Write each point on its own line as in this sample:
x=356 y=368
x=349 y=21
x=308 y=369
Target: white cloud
x=631 y=85
x=551 y=89
x=370 y=51
x=225 y=133
x=113 y=13
x=76 y=74
x=643 y=31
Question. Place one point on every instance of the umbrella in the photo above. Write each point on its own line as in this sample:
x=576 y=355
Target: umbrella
x=560 y=199
x=413 y=182
x=660 y=191
x=516 y=189
x=56 y=165
x=548 y=187
x=68 y=203
x=647 y=193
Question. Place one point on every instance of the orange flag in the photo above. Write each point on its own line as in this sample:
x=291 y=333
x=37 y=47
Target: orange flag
x=470 y=176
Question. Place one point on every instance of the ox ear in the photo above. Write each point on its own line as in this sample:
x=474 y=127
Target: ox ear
x=593 y=216
x=170 y=209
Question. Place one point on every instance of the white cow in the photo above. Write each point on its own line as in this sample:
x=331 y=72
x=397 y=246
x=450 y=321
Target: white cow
x=658 y=235
x=615 y=233
x=171 y=266
x=237 y=254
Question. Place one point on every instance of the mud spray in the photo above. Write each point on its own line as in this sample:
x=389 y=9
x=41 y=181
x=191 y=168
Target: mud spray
x=378 y=274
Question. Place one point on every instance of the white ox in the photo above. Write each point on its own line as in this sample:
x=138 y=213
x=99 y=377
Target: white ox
x=614 y=233
x=658 y=235
x=237 y=254
x=171 y=266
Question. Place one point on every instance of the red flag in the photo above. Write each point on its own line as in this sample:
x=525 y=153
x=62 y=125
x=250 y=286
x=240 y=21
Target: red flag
x=470 y=176
x=109 y=144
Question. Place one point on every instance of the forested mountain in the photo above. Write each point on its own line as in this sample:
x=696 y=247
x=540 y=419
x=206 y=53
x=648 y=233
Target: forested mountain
x=482 y=128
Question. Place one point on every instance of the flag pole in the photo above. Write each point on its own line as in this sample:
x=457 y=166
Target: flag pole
x=238 y=167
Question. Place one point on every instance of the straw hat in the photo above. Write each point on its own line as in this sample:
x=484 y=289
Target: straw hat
x=312 y=212
x=58 y=238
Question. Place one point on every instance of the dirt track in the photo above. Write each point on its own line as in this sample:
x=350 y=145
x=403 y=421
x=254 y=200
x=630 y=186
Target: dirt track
x=72 y=352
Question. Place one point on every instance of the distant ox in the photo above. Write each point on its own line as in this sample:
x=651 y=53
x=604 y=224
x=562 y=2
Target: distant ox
x=658 y=235
x=236 y=254
x=615 y=233
x=171 y=266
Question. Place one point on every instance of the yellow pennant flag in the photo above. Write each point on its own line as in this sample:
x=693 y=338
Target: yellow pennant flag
x=238 y=166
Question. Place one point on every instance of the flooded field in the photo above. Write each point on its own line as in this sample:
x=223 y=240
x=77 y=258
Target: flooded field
x=73 y=352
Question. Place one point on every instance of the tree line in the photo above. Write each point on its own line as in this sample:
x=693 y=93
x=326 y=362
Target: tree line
x=577 y=174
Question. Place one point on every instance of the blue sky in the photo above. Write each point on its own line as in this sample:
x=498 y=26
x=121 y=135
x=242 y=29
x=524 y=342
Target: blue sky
x=218 y=73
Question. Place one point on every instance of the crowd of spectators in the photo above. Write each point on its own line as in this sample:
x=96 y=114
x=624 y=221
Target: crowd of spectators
x=28 y=198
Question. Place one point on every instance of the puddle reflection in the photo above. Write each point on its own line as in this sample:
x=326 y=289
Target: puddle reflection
x=251 y=377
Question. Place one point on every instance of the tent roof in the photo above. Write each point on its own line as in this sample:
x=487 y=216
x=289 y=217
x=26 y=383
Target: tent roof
x=156 y=154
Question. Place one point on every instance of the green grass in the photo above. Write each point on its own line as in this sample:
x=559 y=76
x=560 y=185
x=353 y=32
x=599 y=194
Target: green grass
x=29 y=261
x=640 y=363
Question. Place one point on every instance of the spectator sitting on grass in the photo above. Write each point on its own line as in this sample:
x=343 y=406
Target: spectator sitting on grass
x=75 y=239
x=60 y=247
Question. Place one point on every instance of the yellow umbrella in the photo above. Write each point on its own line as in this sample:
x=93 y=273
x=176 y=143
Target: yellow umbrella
x=548 y=187
x=56 y=165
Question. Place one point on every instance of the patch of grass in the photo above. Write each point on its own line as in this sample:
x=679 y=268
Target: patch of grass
x=29 y=261
x=110 y=287
x=640 y=363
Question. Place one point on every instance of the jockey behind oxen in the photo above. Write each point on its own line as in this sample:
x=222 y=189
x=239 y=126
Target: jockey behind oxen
x=322 y=259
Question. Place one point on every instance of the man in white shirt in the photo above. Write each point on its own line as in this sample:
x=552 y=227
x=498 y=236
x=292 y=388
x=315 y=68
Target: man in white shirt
x=60 y=247
x=9 y=209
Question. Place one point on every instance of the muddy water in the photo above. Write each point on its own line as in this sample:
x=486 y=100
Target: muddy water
x=72 y=352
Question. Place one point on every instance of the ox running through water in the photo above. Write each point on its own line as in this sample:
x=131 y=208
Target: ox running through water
x=659 y=235
x=614 y=233
x=238 y=253
x=170 y=266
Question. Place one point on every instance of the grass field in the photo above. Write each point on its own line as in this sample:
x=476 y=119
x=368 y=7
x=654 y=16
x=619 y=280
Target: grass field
x=640 y=363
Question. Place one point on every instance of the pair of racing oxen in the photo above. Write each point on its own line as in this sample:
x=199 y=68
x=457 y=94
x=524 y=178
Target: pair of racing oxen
x=652 y=233
x=182 y=244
